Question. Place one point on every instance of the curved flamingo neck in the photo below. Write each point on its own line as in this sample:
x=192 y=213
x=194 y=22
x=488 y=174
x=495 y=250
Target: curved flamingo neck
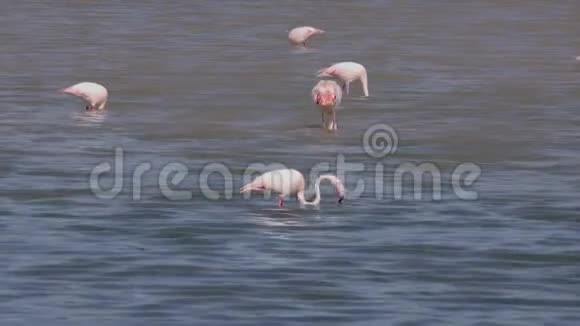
x=332 y=179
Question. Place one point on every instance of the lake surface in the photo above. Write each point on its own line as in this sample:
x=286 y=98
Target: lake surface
x=492 y=83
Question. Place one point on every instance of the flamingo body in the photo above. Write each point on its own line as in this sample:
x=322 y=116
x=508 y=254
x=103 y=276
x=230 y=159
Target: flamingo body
x=347 y=72
x=95 y=94
x=289 y=182
x=299 y=35
x=327 y=94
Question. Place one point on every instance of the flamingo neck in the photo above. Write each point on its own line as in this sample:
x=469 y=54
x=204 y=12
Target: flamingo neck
x=365 y=83
x=102 y=105
x=316 y=199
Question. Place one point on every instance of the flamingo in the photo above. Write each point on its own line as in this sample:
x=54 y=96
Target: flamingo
x=95 y=94
x=288 y=182
x=347 y=72
x=299 y=35
x=327 y=95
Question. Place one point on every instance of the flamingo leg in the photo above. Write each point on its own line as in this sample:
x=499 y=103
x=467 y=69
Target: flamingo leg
x=346 y=86
x=322 y=118
x=280 y=201
x=334 y=125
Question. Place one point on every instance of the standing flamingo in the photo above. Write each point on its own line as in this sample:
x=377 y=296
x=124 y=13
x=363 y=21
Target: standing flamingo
x=327 y=95
x=299 y=35
x=288 y=182
x=95 y=94
x=347 y=72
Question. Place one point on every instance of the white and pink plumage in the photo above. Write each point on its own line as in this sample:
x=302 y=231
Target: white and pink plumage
x=290 y=182
x=299 y=35
x=347 y=72
x=95 y=94
x=326 y=94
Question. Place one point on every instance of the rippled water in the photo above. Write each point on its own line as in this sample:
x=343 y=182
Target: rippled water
x=494 y=83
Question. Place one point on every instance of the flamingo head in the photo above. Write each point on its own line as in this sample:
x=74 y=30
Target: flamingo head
x=340 y=191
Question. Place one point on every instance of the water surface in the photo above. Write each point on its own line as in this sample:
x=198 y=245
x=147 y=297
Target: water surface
x=489 y=82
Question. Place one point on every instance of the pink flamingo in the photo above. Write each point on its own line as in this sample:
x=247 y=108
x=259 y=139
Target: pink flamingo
x=347 y=72
x=327 y=95
x=289 y=182
x=95 y=94
x=299 y=35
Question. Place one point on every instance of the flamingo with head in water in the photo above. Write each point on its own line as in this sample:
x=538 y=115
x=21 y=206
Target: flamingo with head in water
x=289 y=182
x=327 y=95
x=299 y=35
x=347 y=72
x=95 y=94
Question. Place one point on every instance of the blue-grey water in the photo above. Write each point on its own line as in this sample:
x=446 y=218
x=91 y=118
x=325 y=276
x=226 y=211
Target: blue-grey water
x=493 y=83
